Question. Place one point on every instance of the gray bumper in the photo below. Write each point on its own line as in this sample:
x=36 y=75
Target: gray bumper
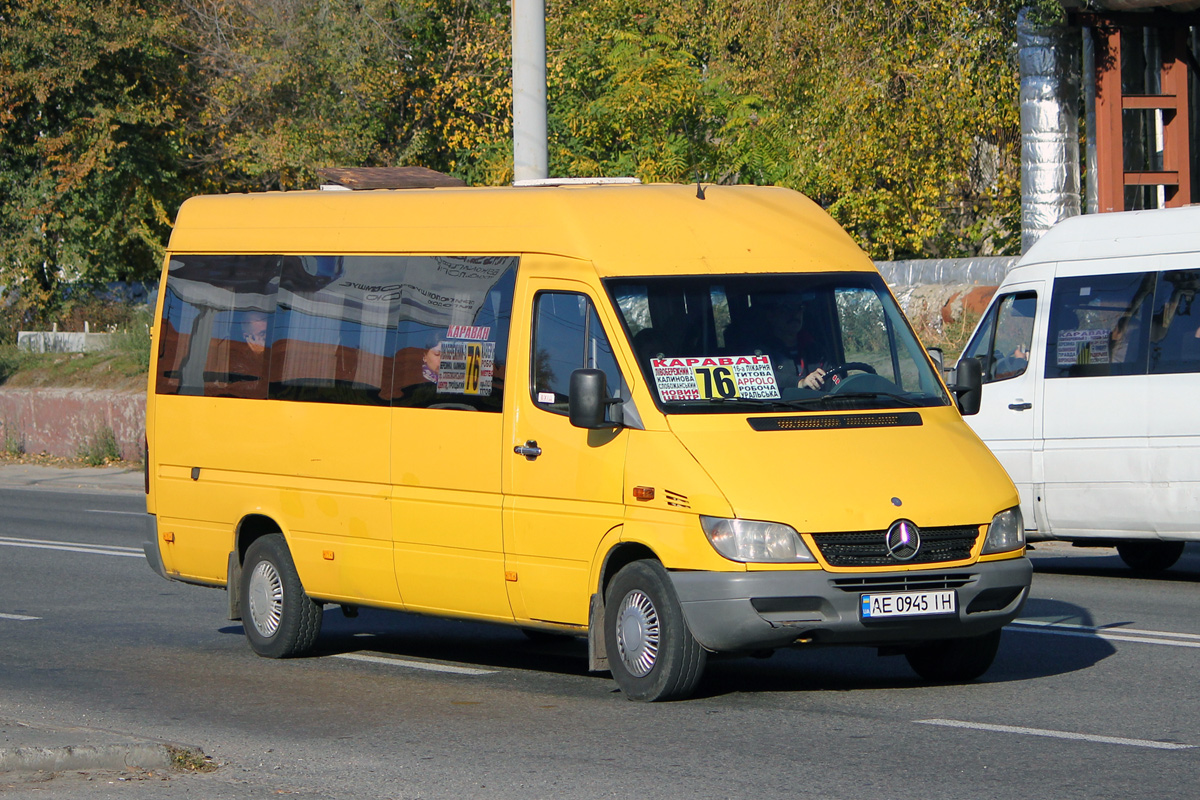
x=730 y=612
x=150 y=546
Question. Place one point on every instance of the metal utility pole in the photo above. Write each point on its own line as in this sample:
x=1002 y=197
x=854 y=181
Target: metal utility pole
x=530 y=155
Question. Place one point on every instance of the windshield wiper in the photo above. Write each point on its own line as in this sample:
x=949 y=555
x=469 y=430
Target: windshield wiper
x=832 y=399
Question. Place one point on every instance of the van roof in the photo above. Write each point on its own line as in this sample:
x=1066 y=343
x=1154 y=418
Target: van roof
x=623 y=230
x=1121 y=234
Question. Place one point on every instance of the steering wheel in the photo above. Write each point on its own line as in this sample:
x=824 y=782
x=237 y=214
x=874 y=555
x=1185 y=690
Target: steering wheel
x=843 y=369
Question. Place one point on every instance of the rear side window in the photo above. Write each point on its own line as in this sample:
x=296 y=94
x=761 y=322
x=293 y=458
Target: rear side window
x=1099 y=325
x=1175 y=324
x=420 y=331
x=216 y=327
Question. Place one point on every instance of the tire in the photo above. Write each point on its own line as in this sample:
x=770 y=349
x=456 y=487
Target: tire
x=651 y=653
x=1149 y=556
x=280 y=620
x=954 y=660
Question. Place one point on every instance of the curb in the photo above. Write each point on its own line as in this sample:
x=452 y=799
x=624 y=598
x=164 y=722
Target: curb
x=142 y=755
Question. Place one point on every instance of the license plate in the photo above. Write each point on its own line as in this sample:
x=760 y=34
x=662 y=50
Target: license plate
x=908 y=604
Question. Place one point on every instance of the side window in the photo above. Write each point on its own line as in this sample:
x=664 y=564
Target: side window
x=567 y=335
x=452 y=318
x=1004 y=340
x=332 y=330
x=1099 y=325
x=216 y=326
x=1175 y=323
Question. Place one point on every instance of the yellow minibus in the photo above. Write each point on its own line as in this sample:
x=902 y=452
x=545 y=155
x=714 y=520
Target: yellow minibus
x=676 y=422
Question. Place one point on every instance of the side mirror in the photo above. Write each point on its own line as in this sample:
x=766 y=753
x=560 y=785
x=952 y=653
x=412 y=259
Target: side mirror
x=589 y=401
x=968 y=385
x=938 y=356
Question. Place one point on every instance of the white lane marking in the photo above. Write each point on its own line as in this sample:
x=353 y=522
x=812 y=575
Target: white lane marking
x=125 y=513
x=1167 y=638
x=401 y=662
x=73 y=547
x=1084 y=737
x=18 y=617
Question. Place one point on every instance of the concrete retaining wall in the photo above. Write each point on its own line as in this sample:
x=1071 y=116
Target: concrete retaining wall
x=62 y=422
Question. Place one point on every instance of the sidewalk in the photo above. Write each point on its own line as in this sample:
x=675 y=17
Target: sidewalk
x=87 y=479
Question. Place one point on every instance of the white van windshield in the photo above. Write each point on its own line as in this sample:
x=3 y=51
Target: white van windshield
x=737 y=343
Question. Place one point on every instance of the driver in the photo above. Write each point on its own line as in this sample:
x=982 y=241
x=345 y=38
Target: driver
x=790 y=342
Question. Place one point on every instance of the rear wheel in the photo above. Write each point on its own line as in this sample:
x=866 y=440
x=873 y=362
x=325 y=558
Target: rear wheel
x=280 y=620
x=651 y=652
x=1150 y=556
x=954 y=660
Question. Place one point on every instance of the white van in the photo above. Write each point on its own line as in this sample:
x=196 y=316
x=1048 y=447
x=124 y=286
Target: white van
x=1091 y=362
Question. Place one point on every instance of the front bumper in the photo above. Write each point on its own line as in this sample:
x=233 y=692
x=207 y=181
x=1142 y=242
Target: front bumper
x=731 y=612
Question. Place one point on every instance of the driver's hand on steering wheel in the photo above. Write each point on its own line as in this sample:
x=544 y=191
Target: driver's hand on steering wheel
x=814 y=379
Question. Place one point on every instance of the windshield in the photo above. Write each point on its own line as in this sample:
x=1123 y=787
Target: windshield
x=804 y=342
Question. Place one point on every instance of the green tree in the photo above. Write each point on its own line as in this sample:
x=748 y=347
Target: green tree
x=87 y=144
x=285 y=87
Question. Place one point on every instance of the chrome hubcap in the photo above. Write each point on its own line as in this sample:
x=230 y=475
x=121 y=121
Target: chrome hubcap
x=266 y=598
x=637 y=633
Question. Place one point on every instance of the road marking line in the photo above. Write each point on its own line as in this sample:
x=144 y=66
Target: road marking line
x=73 y=547
x=400 y=662
x=1120 y=634
x=1085 y=737
x=126 y=513
x=18 y=617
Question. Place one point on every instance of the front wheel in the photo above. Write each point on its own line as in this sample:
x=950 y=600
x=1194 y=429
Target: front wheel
x=280 y=620
x=651 y=652
x=954 y=660
x=1150 y=556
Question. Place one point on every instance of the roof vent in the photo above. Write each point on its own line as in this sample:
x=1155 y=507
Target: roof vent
x=578 y=182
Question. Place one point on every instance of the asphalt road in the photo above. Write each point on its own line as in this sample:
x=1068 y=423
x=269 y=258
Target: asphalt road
x=1093 y=694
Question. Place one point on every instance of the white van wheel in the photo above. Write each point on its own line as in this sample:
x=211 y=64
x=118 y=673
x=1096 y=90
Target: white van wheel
x=280 y=620
x=651 y=652
x=1149 y=556
x=954 y=660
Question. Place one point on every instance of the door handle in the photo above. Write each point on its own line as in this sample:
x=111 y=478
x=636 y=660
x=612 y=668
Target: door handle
x=1020 y=406
x=530 y=450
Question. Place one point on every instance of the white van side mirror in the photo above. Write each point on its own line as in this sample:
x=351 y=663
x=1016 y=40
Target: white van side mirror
x=589 y=401
x=968 y=385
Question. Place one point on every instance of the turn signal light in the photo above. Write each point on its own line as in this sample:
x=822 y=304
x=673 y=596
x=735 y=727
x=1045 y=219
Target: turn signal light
x=643 y=492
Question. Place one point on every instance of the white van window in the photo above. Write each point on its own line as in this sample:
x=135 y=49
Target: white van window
x=1003 y=340
x=567 y=335
x=1175 y=325
x=1099 y=325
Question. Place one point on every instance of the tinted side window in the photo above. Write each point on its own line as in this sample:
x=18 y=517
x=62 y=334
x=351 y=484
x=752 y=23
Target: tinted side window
x=333 y=330
x=567 y=336
x=1099 y=325
x=453 y=315
x=216 y=326
x=1175 y=324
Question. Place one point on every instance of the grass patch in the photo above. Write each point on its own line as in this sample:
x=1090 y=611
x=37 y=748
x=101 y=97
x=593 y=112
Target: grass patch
x=14 y=441
x=100 y=448
x=190 y=759
x=122 y=366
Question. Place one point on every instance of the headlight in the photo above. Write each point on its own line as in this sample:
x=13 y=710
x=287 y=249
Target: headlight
x=1007 y=532
x=746 y=540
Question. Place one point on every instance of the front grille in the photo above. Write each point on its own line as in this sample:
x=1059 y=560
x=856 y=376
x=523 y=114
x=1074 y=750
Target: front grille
x=869 y=548
x=909 y=582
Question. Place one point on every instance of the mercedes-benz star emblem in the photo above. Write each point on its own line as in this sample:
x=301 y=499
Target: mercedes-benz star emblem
x=903 y=540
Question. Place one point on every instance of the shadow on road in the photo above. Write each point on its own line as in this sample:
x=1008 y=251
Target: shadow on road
x=1061 y=558
x=1025 y=653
